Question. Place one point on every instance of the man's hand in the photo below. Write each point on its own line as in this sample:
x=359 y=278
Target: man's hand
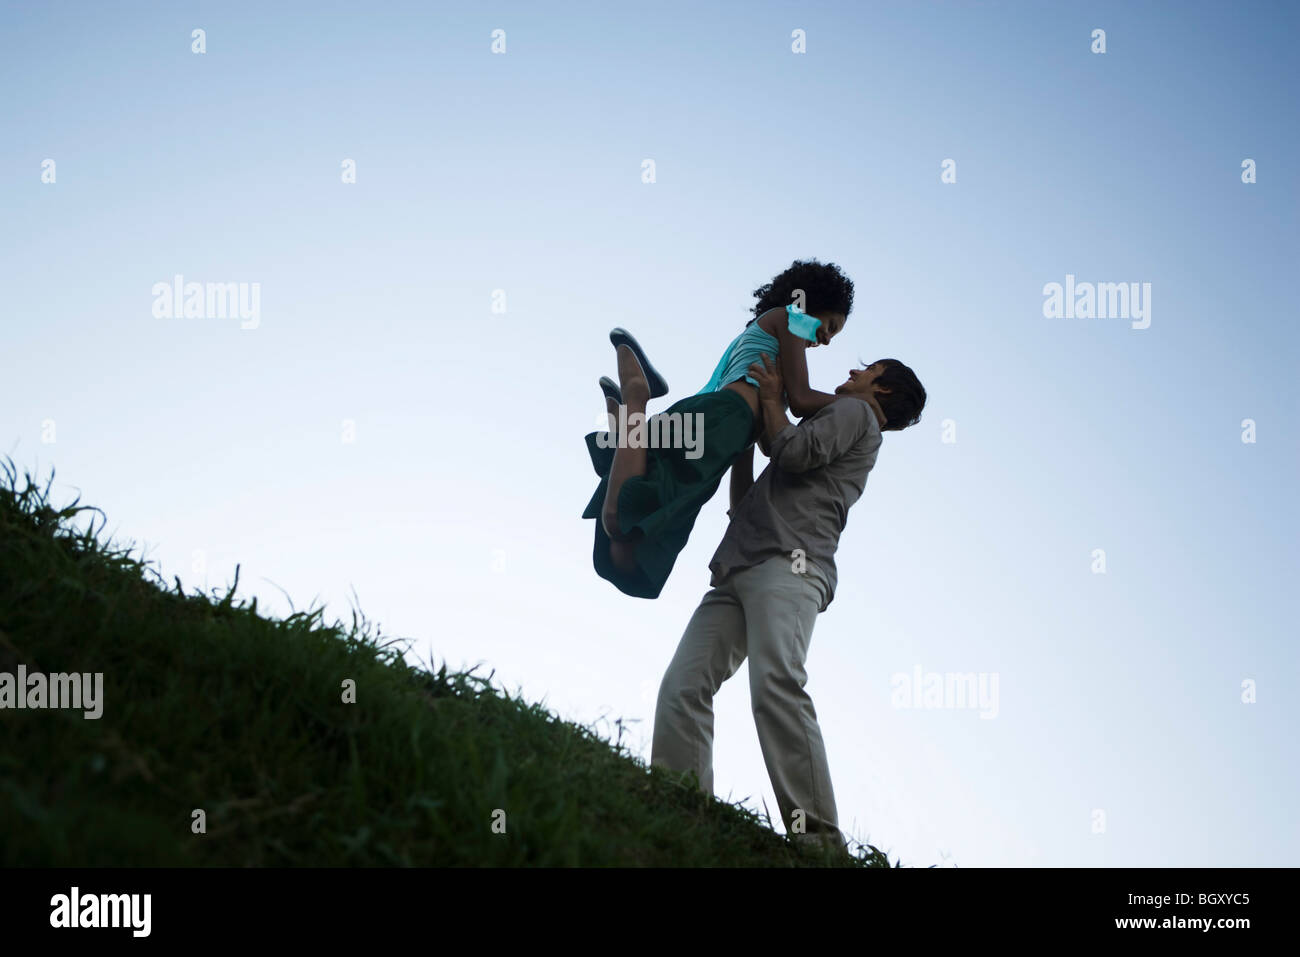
x=770 y=394
x=768 y=376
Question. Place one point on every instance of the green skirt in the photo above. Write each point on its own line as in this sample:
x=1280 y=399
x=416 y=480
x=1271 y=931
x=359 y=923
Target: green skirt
x=657 y=511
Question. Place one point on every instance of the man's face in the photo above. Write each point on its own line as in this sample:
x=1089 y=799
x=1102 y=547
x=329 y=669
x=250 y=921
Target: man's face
x=861 y=382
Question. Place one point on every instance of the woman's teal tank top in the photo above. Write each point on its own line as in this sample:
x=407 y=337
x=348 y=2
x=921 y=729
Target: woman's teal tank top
x=747 y=347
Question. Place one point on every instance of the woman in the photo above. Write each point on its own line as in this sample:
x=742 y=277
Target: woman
x=649 y=497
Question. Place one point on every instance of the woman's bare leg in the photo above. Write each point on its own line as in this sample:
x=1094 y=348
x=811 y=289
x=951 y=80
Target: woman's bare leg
x=628 y=461
x=611 y=407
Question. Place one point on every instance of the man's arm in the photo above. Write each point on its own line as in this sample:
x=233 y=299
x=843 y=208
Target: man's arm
x=816 y=441
x=742 y=477
x=774 y=420
x=771 y=386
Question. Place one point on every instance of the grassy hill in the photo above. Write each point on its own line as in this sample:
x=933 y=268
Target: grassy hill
x=209 y=706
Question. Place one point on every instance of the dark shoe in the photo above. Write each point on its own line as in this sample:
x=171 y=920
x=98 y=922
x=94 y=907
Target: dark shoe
x=611 y=389
x=658 y=384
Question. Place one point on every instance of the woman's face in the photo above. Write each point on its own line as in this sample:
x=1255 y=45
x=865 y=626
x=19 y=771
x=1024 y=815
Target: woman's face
x=832 y=323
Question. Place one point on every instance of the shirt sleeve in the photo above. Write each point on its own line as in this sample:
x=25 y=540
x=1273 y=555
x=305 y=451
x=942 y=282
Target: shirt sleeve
x=823 y=437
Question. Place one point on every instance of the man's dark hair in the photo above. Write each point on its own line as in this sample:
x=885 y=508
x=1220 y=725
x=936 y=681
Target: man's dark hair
x=903 y=403
x=824 y=285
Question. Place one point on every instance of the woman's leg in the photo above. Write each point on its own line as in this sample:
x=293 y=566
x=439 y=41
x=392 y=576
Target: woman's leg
x=628 y=461
x=611 y=408
x=621 y=554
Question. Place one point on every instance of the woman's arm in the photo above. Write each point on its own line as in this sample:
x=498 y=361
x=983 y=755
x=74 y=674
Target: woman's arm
x=804 y=400
x=742 y=477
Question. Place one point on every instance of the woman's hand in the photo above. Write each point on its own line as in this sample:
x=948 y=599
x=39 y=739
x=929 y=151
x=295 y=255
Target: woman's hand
x=771 y=385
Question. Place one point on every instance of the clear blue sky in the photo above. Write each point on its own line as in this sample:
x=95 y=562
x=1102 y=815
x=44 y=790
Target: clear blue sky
x=455 y=513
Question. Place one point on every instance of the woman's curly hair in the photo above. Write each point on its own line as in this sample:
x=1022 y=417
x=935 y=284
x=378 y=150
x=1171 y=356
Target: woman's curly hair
x=824 y=286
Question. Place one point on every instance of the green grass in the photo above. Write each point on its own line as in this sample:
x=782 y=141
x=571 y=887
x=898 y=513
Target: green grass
x=210 y=705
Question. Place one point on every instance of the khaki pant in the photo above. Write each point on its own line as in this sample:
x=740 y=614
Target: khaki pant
x=766 y=612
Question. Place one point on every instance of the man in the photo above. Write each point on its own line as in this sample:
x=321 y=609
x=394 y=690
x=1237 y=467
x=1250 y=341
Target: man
x=773 y=573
